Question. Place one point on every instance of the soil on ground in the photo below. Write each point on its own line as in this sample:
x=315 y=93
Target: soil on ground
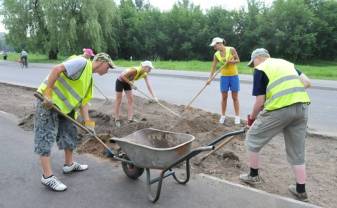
x=227 y=163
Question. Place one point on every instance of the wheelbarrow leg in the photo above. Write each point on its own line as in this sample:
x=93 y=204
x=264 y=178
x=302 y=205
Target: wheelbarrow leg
x=183 y=181
x=153 y=197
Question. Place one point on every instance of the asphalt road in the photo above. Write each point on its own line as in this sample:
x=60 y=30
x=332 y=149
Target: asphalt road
x=179 y=88
x=105 y=185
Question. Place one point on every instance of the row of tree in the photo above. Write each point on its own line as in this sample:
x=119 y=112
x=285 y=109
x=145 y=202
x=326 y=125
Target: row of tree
x=293 y=29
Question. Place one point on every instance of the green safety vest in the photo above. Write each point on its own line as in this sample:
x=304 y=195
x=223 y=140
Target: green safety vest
x=70 y=94
x=284 y=87
x=140 y=74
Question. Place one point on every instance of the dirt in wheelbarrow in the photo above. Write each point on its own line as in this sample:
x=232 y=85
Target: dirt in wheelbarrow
x=227 y=163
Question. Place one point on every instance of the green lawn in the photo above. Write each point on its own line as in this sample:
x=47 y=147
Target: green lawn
x=315 y=69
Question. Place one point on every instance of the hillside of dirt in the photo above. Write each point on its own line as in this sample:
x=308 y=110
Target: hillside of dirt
x=227 y=163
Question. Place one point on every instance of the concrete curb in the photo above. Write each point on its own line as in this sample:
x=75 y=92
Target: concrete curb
x=257 y=191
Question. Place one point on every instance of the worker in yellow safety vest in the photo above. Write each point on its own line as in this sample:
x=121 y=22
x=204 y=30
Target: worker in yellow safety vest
x=229 y=80
x=69 y=88
x=281 y=106
x=125 y=82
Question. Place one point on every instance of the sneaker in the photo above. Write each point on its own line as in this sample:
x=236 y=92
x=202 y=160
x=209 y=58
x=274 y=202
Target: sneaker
x=118 y=123
x=132 y=121
x=300 y=196
x=222 y=119
x=252 y=180
x=74 y=168
x=53 y=183
x=237 y=120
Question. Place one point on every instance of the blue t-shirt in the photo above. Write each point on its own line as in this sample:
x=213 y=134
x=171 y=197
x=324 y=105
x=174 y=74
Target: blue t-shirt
x=261 y=81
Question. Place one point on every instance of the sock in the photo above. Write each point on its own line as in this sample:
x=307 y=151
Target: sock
x=47 y=177
x=254 y=172
x=300 y=188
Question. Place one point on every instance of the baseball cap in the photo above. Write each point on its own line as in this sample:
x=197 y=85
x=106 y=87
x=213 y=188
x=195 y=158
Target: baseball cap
x=147 y=63
x=216 y=40
x=88 y=51
x=256 y=53
x=104 y=57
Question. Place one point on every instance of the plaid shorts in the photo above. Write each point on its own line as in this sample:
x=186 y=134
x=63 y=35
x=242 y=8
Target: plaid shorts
x=49 y=127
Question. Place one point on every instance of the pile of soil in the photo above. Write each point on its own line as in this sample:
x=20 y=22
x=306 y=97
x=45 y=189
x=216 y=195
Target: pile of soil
x=226 y=163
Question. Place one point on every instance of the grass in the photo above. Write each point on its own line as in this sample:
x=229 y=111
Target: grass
x=315 y=69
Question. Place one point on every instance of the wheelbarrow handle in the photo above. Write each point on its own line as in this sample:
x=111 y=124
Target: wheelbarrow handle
x=222 y=137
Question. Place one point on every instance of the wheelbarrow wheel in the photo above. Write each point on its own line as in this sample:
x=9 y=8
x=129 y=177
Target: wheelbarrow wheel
x=131 y=171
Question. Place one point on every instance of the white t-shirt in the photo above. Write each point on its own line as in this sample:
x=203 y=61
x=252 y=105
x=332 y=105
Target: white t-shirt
x=23 y=53
x=74 y=67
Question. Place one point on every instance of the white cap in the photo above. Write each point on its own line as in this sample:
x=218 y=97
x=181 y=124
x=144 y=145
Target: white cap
x=216 y=40
x=256 y=53
x=147 y=63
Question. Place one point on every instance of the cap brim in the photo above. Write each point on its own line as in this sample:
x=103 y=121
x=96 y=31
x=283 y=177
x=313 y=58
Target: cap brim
x=212 y=44
x=251 y=63
x=112 y=66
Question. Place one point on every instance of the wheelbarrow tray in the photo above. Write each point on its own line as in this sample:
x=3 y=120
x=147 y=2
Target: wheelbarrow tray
x=155 y=149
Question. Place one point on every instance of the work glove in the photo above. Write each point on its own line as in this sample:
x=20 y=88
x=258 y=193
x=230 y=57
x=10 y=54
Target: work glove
x=134 y=87
x=154 y=100
x=90 y=124
x=47 y=98
x=250 y=121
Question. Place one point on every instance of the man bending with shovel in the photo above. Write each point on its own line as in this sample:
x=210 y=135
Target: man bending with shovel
x=69 y=88
x=125 y=82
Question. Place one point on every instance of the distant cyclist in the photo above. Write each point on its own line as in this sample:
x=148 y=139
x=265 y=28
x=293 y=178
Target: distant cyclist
x=24 y=58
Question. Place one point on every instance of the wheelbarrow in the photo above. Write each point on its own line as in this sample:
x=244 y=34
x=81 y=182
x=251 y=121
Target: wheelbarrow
x=156 y=149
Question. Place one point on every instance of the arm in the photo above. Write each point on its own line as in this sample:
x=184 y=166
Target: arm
x=258 y=106
x=305 y=80
x=54 y=75
x=213 y=67
x=84 y=111
x=149 y=87
x=236 y=58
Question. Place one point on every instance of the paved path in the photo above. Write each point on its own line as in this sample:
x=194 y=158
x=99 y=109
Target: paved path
x=179 y=88
x=105 y=185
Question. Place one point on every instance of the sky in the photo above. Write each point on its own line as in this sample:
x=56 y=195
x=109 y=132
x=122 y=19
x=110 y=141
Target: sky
x=166 y=5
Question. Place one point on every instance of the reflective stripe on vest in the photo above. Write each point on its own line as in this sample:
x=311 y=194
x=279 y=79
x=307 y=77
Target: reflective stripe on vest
x=70 y=94
x=284 y=87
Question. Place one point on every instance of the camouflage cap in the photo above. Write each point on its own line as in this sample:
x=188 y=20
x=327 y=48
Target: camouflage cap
x=104 y=57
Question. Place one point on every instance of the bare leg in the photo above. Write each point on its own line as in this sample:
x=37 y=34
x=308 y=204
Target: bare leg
x=68 y=157
x=224 y=103
x=46 y=166
x=235 y=97
x=118 y=102
x=129 y=96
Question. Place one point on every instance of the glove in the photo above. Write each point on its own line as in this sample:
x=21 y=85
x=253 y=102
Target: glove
x=154 y=100
x=250 y=121
x=47 y=98
x=134 y=87
x=90 y=124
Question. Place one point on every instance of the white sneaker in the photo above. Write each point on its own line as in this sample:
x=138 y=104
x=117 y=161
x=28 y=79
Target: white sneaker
x=222 y=119
x=53 y=183
x=237 y=120
x=74 y=168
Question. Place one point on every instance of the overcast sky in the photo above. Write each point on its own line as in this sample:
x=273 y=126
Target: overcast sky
x=165 y=5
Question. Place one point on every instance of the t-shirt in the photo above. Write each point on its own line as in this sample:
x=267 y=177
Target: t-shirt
x=261 y=81
x=23 y=53
x=74 y=67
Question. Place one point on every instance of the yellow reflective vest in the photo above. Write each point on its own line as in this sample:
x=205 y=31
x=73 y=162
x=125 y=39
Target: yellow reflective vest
x=70 y=94
x=284 y=87
x=228 y=69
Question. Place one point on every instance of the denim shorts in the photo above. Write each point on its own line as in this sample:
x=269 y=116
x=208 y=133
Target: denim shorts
x=49 y=127
x=231 y=83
